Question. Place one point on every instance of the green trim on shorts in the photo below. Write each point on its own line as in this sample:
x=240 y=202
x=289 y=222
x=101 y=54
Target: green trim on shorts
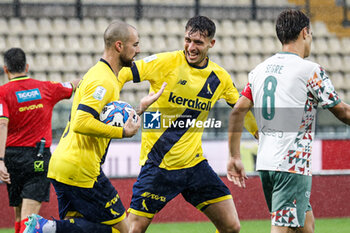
x=287 y=196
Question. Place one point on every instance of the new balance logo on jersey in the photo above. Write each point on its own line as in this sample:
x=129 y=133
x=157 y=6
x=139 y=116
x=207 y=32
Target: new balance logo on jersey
x=28 y=95
x=152 y=120
x=197 y=104
x=182 y=82
x=1 y=111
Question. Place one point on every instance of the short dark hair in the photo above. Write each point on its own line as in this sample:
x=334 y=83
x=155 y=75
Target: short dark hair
x=289 y=24
x=202 y=24
x=15 y=60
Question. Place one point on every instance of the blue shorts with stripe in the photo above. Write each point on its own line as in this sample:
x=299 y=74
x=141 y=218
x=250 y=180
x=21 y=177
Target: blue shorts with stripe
x=155 y=187
x=99 y=204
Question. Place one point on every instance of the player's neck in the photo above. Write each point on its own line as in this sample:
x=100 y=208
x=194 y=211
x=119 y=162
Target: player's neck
x=113 y=61
x=294 y=48
x=15 y=75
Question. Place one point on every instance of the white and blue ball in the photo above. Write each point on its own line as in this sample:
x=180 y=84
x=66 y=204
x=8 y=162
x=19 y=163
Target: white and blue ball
x=116 y=113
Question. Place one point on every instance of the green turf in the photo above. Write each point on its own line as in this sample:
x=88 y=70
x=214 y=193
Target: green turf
x=337 y=225
x=342 y=225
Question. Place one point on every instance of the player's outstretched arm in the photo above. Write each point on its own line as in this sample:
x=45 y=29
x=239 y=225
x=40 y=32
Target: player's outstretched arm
x=235 y=168
x=150 y=99
x=342 y=112
x=4 y=175
x=131 y=127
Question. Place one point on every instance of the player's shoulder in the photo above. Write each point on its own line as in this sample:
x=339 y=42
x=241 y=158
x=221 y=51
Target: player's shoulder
x=164 y=56
x=99 y=73
x=99 y=67
x=306 y=68
x=92 y=81
x=219 y=70
x=49 y=83
x=3 y=88
x=296 y=60
x=311 y=65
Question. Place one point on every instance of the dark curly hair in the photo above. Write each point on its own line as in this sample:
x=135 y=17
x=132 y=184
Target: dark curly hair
x=202 y=24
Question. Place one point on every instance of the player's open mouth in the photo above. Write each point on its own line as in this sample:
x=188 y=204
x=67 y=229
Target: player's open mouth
x=192 y=56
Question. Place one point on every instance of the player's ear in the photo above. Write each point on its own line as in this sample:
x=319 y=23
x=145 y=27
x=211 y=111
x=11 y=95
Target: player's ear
x=212 y=43
x=27 y=68
x=118 y=46
x=6 y=70
x=305 y=32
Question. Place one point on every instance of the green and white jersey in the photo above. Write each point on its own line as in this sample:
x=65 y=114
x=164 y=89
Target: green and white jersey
x=286 y=90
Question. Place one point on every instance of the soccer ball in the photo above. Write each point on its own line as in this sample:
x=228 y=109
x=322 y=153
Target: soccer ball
x=116 y=113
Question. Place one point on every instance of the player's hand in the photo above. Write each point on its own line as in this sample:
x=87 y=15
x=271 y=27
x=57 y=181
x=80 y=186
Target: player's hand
x=4 y=175
x=131 y=127
x=150 y=99
x=236 y=172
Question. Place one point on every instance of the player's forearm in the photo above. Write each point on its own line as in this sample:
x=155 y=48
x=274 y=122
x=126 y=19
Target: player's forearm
x=148 y=100
x=236 y=123
x=85 y=123
x=342 y=112
x=140 y=110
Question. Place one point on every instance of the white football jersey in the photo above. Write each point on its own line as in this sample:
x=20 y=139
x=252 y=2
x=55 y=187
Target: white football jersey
x=286 y=90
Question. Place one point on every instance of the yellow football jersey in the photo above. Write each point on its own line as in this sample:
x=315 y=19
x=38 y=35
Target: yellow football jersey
x=189 y=96
x=77 y=159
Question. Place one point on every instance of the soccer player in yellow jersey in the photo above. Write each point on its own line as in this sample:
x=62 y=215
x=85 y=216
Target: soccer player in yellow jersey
x=87 y=200
x=171 y=155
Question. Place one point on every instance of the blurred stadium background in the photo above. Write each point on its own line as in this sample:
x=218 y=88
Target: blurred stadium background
x=63 y=39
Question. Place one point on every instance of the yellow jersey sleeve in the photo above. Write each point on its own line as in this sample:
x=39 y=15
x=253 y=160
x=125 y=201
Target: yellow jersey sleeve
x=149 y=68
x=86 y=120
x=124 y=75
x=86 y=124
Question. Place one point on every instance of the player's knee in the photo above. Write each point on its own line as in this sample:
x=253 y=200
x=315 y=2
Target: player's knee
x=310 y=228
x=233 y=228
x=136 y=228
x=236 y=228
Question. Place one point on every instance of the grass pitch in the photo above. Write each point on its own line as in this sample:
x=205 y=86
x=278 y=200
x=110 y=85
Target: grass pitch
x=336 y=225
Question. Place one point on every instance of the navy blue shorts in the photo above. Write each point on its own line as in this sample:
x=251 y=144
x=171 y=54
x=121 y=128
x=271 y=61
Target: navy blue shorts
x=155 y=187
x=100 y=204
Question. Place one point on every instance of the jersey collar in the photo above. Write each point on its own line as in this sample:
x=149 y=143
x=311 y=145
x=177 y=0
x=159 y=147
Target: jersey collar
x=197 y=67
x=288 y=53
x=22 y=77
x=106 y=62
